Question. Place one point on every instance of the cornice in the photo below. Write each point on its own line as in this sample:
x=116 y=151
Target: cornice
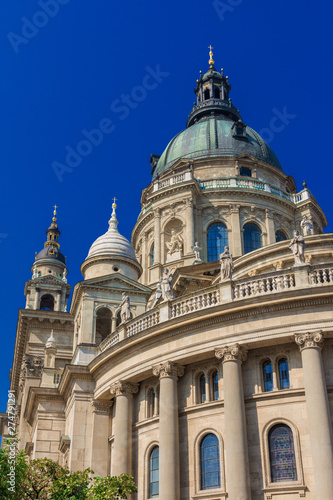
x=70 y=375
x=36 y=395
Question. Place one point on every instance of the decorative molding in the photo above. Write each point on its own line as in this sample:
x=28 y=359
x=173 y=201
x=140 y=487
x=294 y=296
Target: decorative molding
x=168 y=369
x=232 y=353
x=122 y=388
x=100 y=406
x=64 y=444
x=310 y=340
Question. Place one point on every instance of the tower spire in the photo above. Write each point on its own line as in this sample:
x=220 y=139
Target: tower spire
x=113 y=223
x=211 y=60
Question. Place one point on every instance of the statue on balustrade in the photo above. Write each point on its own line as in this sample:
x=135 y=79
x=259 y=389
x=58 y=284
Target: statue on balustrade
x=166 y=285
x=125 y=308
x=297 y=246
x=306 y=226
x=174 y=246
x=227 y=264
x=196 y=250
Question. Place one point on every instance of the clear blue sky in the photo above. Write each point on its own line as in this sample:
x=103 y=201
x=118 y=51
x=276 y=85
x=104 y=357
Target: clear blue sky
x=63 y=77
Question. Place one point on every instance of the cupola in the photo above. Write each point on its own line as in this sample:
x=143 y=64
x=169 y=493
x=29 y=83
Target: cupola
x=111 y=253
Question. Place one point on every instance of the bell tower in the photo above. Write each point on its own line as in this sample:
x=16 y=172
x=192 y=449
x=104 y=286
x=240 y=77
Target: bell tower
x=48 y=288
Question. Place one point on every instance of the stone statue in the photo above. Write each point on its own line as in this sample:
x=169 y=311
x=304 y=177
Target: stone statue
x=227 y=264
x=35 y=273
x=306 y=226
x=64 y=276
x=175 y=244
x=297 y=246
x=125 y=308
x=155 y=297
x=166 y=285
x=196 y=249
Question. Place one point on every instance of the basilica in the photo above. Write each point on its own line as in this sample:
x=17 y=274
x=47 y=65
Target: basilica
x=199 y=356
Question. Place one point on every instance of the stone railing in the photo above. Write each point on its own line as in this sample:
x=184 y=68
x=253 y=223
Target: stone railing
x=173 y=179
x=263 y=285
x=321 y=275
x=109 y=341
x=243 y=183
x=195 y=302
x=146 y=320
x=221 y=293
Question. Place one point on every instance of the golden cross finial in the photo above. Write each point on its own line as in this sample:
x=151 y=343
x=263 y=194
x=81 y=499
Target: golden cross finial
x=211 y=60
x=55 y=208
x=54 y=219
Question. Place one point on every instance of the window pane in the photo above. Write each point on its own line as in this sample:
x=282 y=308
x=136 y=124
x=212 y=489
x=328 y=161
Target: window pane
x=280 y=236
x=215 y=382
x=202 y=381
x=154 y=473
x=252 y=237
x=217 y=240
x=268 y=376
x=284 y=374
x=282 y=454
x=210 y=462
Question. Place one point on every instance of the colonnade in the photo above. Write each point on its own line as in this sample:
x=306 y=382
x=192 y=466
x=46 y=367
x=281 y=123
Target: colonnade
x=237 y=461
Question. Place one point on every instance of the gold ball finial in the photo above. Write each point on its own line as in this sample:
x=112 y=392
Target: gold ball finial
x=211 y=60
x=54 y=218
x=114 y=204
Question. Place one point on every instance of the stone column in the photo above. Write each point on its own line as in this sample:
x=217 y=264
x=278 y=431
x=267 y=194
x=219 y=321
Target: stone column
x=189 y=227
x=122 y=448
x=100 y=456
x=236 y=242
x=169 y=432
x=237 y=461
x=270 y=228
x=157 y=236
x=319 y=420
x=113 y=322
x=36 y=302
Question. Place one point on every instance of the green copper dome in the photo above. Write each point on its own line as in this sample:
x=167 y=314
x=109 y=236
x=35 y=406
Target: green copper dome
x=214 y=137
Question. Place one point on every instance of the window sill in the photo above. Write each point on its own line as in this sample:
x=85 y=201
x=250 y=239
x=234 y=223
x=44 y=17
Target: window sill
x=210 y=495
x=283 y=489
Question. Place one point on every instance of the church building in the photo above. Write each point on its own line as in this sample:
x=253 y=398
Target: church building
x=199 y=356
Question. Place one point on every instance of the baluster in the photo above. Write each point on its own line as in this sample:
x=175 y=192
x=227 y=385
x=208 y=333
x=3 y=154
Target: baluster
x=236 y=291
x=204 y=300
x=291 y=280
x=256 y=287
x=209 y=299
x=313 y=279
x=262 y=286
x=320 y=276
x=252 y=288
x=325 y=275
x=267 y=284
x=279 y=283
x=217 y=297
x=241 y=290
x=274 y=288
x=330 y=273
x=247 y=290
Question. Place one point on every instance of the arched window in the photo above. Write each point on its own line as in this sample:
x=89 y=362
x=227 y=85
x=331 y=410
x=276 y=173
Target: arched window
x=283 y=373
x=210 y=462
x=103 y=324
x=252 y=237
x=150 y=403
x=152 y=255
x=154 y=473
x=47 y=302
x=215 y=386
x=217 y=93
x=207 y=94
x=202 y=389
x=282 y=454
x=280 y=236
x=217 y=240
x=268 y=376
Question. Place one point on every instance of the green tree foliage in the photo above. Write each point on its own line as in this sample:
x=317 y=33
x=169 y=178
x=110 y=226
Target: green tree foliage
x=112 y=487
x=44 y=479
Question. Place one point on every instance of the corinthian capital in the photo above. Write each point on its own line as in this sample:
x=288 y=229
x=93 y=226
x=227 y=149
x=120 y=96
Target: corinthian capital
x=307 y=340
x=232 y=353
x=122 y=388
x=100 y=406
x=168 y=369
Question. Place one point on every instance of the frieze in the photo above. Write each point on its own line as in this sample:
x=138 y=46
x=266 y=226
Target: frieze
x=309 y=340
x=232 y=353
x=168 y=369
x=122 y=388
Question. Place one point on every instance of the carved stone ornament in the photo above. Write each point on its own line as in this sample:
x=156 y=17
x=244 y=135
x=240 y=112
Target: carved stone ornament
x=31 y=367
x=307 y=340
x=101 y=406
x=232 y=353
x=122 y=388
x=168 y=369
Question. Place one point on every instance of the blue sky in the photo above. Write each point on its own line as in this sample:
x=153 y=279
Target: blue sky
x=67 y=64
